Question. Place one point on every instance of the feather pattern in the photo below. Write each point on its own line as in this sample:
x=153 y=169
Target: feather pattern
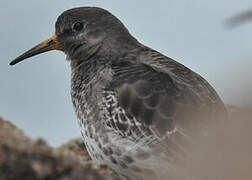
x=150 y=108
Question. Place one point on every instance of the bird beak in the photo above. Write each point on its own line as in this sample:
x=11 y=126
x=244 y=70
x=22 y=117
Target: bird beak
x=50 y=44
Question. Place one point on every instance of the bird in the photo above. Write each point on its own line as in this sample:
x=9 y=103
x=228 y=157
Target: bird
x=139 y=111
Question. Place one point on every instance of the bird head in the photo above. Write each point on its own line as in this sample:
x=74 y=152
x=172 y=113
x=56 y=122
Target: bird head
x=81 y=32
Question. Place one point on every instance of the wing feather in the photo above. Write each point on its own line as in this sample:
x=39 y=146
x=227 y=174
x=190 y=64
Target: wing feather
x=165 y=101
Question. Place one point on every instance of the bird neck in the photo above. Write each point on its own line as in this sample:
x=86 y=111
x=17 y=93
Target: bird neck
x=92 y=64
x=87 y=81
x=87 y=69
x=118 y=45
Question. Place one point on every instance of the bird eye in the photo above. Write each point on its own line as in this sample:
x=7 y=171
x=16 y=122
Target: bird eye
x=78 y=26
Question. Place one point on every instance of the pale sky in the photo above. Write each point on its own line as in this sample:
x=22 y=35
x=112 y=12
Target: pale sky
x=35 y=94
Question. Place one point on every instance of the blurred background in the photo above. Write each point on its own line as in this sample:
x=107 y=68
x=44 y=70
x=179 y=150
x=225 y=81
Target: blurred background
x=35 y=94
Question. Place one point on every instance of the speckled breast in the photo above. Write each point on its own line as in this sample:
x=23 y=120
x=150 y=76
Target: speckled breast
x=111 y=135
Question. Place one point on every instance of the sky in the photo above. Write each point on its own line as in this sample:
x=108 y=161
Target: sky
x=35 y=94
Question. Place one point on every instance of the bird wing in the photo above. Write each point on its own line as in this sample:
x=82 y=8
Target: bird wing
x=166 y=101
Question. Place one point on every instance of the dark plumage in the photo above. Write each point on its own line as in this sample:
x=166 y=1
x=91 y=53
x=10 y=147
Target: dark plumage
x=139 y=111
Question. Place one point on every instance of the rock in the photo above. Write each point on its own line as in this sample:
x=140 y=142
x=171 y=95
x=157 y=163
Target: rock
x=24 y=158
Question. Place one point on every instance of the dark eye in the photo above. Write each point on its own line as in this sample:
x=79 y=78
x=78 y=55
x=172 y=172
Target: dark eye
x=78 y=26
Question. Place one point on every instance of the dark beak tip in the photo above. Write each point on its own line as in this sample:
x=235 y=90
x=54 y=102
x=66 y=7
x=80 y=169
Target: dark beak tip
x=12 y=63
x=15 y=61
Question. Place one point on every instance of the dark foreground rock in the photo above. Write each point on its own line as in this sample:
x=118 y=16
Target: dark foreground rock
x=23 y=158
